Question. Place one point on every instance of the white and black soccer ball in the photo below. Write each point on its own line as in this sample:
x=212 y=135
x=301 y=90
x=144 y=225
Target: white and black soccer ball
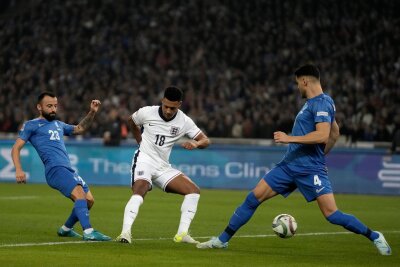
x=284 y=225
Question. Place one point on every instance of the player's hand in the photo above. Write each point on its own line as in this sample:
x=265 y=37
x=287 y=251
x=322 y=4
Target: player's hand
x=191 y=144
x=20 y=176
x=94 y=106
x=281 y=137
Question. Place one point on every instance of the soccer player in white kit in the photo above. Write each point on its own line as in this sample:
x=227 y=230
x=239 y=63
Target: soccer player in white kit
x=156 y=129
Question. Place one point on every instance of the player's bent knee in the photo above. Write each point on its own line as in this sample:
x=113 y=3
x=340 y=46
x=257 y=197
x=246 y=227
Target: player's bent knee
x=90 y=203
x=328 y=213
x=141 y=187
x=78 y=193
x=191 y=189
x=195 y=190
x=263 y=191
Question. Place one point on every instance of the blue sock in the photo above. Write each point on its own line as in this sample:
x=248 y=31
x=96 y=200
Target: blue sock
x=72 y=219
x=82 y=212
x=241 y=216
x=352 y=224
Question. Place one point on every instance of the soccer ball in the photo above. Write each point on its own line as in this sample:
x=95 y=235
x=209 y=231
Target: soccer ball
x=284 y=225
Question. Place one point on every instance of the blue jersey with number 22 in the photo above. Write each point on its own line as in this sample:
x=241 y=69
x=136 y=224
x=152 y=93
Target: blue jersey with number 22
x=47 y=138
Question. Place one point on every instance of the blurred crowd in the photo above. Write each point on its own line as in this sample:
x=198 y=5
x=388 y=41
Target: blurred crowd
x=233 y=59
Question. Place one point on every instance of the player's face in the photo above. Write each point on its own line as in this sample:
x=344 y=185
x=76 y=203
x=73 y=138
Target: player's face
x=301 y=84
x=48 y=107
x=170 y=108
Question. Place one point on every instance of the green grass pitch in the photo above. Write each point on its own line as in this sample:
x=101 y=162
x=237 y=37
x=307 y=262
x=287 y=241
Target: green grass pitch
x=30 y=215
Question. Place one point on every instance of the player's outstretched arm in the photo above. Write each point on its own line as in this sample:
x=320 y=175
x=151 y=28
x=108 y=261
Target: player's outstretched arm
x=15 y=154
x=87 y=121
x=201 y=141
x=333 y=137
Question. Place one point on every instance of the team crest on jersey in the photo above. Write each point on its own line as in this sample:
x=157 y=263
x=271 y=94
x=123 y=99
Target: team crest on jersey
x=174 y=130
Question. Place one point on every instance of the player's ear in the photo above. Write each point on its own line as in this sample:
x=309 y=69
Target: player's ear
x=304 y=80
x=39 y=107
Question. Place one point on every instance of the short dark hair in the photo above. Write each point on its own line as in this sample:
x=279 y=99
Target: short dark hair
x=307 y=70
x=42 y=95
x=173 y=93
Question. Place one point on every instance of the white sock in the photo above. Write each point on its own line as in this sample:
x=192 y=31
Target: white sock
x=65 y=228
x=188 y=210
x=131 y=211
x=88 y=231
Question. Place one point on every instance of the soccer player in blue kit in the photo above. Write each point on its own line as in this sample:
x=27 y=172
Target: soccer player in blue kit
x=314 y=133
x=46 y=135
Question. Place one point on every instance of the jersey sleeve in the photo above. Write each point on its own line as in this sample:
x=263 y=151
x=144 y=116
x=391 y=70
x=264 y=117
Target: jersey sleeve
x=139 y=116
x=323 y=111
x=68 y=128
x=26 y=131
x=192 y=129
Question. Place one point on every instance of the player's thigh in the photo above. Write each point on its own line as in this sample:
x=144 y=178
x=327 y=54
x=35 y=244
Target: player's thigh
x=279 y=181
x=174 y=181
x=141 y=178
x=180 y=184
x=66 y=180
x=313 y=185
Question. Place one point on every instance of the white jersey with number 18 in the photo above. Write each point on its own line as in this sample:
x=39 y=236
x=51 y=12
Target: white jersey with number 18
x=159 y=135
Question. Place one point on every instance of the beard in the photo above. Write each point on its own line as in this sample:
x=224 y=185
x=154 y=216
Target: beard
x=49 y=116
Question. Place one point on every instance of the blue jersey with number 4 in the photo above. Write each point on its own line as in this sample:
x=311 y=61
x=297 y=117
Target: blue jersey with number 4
x=309 y=158
x=47 y=138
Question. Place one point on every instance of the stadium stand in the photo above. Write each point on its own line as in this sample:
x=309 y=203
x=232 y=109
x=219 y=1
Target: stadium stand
x=234 y=60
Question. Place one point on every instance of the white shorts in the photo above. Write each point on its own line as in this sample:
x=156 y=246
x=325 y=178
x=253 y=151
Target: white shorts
x=152 y=173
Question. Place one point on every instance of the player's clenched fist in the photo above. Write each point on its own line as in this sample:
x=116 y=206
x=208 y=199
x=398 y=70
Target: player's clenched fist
x=20 y=177
x=190 y=145
x=94 y=106
x=281 y=137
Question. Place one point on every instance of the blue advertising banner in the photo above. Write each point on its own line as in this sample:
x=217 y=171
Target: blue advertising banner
x=362 y=171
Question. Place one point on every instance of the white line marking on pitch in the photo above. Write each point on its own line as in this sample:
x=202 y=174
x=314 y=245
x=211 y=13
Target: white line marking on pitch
x=169 y=238
x=18 y=197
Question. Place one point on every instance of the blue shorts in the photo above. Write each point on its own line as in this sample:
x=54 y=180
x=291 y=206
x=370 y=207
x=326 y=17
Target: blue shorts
x=65 y=180
x=284 y=181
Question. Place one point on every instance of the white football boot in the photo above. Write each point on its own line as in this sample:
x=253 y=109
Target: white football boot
x=214 y=242
x=382 y=246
